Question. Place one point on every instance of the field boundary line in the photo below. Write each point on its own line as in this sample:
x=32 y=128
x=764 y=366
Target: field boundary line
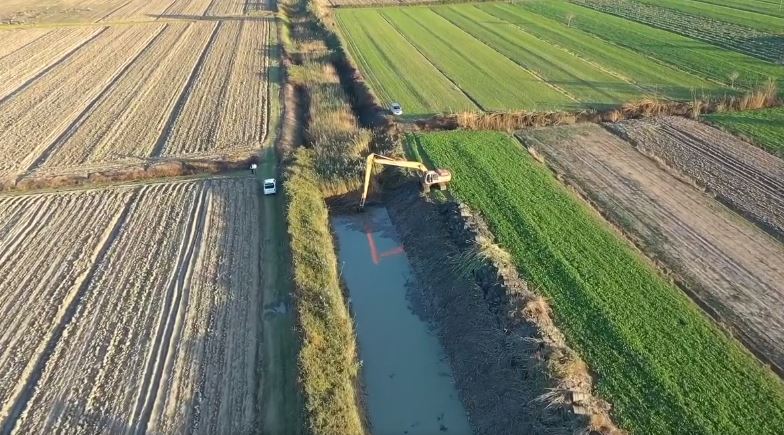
x=463 y=91
x=50 y=67
x=160 y=350
x=184 y=94
x=523 y=67
x=68 y=309
x=80 y=118
x=738 y=9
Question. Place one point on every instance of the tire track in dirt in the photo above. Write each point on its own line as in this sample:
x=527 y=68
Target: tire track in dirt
x=11 y=412
x=179 y=106
x=177 y=292
x=21 y=87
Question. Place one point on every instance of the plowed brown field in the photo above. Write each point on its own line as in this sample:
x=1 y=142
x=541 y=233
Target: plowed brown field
x=741 y=175
x=131 y=308
x=734 y=269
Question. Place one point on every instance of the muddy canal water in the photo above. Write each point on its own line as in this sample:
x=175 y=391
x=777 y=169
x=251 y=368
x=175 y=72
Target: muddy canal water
x=405 y=372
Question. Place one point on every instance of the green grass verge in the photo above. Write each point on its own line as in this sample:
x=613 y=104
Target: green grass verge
x=580 y=79
x=660 y=361
x=701 y=58
x=327 y=360
x=394 y=68
x=764 y=128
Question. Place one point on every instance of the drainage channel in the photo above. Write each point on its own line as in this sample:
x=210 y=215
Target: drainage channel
x=407 y=379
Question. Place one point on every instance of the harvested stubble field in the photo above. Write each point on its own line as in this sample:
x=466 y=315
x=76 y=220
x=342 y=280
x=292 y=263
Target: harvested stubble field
x=26 y=12
x=659 y=360
x=746 y=178
x=732 y=267
x=764 y=128
x=508 y=58
x=135 y=94
x=131 y=308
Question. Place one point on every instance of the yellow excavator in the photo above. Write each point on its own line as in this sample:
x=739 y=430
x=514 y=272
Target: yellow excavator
x=430 y=178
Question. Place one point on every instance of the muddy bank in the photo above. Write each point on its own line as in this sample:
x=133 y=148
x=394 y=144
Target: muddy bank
x=503 y=349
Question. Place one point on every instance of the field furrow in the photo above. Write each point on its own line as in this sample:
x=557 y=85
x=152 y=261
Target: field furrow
x=741 y=175
x=226 y=8
x=37 y=280
x=189 y=8
x=747 y=12
x=162 y=326
x=488 y=77
x=732 y=267
x=26 y=63
x=202 y=125
x=15 y=39
x=121 y=126
x=138 y=9
x=35 y=117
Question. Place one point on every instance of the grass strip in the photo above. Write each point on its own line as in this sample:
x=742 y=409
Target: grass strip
x=662 y=363
x=764 y=128
x=327 y=360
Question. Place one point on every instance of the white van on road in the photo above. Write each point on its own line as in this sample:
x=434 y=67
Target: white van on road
x=270 y=186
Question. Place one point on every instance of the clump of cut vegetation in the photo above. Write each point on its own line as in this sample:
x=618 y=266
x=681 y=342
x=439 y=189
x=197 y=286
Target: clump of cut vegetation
x=328 y=358
x=660 y=361
x=764 y=128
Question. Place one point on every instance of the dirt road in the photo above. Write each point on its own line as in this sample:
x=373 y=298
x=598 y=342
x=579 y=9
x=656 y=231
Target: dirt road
x=734 y=269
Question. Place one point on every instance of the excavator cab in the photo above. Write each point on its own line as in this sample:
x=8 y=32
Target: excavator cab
x=438 y=178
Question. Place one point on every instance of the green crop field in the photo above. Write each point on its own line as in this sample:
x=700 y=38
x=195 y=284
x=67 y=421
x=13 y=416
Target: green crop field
x=764 y=128
x=698 y=57
x=764 y=7
x=722 y=10
x=661 y=362
x=545 y=55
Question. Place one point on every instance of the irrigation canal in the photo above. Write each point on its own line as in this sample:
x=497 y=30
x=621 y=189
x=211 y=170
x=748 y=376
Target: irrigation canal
x=405 y=372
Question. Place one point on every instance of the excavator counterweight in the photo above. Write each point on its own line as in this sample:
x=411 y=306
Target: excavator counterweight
x=429 y=178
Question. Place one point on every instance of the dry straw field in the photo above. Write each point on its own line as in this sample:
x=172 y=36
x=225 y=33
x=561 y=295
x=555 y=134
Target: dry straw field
x=82 y=99
x=131 y=308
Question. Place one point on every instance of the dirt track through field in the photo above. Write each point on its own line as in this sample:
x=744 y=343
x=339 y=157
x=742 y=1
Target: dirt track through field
x=732 y=267
x=155 y=320
x=741 y=175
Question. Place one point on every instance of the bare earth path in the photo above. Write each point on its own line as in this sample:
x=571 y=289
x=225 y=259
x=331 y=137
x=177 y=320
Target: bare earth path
x=733 y=268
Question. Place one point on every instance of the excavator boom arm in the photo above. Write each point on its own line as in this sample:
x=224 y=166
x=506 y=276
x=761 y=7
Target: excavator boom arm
x=383 y=160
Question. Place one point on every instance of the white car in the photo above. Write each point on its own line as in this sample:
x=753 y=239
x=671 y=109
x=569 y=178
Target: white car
x=270 y=186
x=396 y=109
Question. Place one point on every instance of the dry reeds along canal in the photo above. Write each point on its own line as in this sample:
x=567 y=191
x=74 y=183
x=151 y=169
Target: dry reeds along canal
x=405 y=371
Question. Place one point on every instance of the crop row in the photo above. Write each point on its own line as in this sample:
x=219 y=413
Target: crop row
x=664 y=366
x=764 y=128
x=698 y=57
x=767 y=46
x=762 y=7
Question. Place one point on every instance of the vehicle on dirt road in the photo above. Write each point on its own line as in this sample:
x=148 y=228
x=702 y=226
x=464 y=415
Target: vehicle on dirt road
x=270 y=186
x=396 y=109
